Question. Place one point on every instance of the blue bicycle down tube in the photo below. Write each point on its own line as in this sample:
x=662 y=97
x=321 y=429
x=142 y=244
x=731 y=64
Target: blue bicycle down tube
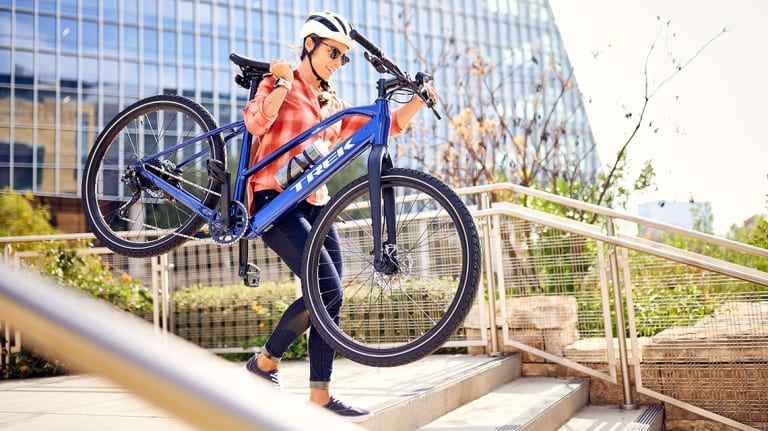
x=340 y=156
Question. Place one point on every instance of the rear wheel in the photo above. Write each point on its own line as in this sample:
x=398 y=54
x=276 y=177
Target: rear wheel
x=393 y=317
x=128 y=213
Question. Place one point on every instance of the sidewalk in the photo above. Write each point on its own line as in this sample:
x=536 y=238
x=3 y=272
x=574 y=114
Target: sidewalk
x=88 y=402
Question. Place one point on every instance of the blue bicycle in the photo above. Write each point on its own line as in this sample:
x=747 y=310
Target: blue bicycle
x=157 y=177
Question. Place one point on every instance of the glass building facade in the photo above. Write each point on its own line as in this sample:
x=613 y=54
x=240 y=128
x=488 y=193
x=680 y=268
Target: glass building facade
x=68 y=66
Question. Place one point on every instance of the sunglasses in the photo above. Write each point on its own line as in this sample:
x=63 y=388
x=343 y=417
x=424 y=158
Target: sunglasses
x=334 y=53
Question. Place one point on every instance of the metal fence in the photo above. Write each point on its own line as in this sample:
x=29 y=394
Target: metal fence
x=690 y=331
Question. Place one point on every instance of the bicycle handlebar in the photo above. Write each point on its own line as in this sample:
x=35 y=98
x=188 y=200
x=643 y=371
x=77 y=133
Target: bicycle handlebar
x=384 y=64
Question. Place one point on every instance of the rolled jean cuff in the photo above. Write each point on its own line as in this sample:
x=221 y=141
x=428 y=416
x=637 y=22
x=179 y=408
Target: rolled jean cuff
x=315 y=384
x=268 y=355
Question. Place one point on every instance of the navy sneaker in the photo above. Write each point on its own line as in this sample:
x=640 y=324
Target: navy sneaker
x=354 y=414
x=272 y=376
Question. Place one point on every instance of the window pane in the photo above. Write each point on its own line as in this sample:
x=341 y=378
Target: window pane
x=272 y=26
x=188 y=75
x=150 y=79
x=68 y=70
x=111 y=108
x=206 y=84
x=150 y=12
x=110 y=9
x=150 y=43
x=69 y=34
x=90 y=37
x=206 y=50
x=25 y=31
x=131 y=41
x=46 y=69
x=46 y=113
x=225 y=84
x=47 y=5
x=5 y=28
x=169 y=13
x=69 y=7
x=131 y=77
x=5 y=65
x=111 y=75
x=169 y=46
x=46 y=36
x=130 y=11
x=187 y=48
x=111 y=39
x=187 y=15
x=223 y=49
x=222 y=19
x=204 y=16
x=239 y=17
x=169 y=78
x=91 y=9
x=24 y=68
x=89 y=75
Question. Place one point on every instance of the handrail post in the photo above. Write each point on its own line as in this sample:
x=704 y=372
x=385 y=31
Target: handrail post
x=629 y=403
x=485 y=203
x=160 y=292
x=165 y=292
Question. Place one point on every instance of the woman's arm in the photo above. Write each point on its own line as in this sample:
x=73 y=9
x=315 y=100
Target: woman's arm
x=405 y=114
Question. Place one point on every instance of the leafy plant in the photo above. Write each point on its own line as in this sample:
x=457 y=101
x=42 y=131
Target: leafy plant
x=27 y=364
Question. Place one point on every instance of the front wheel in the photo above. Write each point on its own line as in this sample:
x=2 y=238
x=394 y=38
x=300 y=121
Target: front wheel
x=399 y=315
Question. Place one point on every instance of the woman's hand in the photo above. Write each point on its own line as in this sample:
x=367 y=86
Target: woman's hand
x=281 y=69
x=432 y=95
x=405 y=114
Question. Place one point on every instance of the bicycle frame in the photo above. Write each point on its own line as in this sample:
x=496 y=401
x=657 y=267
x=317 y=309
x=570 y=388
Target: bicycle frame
x=374 y=134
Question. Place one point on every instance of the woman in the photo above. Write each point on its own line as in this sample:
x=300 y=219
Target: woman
x=287 y=103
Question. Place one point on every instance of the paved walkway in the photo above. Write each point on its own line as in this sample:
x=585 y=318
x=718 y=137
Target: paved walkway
x=88 y=402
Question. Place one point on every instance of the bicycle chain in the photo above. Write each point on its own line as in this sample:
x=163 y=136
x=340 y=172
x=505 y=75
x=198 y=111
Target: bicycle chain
x=195 y=185
x=188 y=237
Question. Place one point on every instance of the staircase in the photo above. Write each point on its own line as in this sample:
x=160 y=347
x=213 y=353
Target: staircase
x=493 y=395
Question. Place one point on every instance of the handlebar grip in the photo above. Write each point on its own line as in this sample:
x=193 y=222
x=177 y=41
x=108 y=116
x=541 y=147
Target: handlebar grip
x=365 y=43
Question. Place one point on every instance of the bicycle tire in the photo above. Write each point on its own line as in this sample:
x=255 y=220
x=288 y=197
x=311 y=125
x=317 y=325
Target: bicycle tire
x=390 y=320
x=155 y=223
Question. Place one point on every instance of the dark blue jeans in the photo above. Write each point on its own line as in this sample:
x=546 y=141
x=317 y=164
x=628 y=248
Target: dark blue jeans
x=287 y=238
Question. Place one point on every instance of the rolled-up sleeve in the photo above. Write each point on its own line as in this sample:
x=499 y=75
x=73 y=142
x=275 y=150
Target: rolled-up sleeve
x=351 y=125
x=255 y=121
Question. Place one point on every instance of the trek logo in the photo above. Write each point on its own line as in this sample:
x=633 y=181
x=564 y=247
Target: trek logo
x=318 y=169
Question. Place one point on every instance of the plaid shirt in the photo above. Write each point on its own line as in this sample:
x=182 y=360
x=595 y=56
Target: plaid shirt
x=300 y=111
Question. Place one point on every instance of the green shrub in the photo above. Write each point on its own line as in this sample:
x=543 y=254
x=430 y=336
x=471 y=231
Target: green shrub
x=89 y=274
x=255 y=311
x=27 y=364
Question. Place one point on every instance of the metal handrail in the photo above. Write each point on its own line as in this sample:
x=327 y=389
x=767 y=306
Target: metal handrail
x=634 y=243
x=723 y=242
x=160 y=367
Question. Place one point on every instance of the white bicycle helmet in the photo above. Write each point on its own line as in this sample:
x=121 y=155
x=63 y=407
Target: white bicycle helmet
x=328 y=25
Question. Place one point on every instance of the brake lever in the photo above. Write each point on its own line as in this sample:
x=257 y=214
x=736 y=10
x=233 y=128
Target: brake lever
x=421 y=79
x=376 y=62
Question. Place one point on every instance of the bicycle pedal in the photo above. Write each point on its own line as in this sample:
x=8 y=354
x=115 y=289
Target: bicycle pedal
x=252 y=276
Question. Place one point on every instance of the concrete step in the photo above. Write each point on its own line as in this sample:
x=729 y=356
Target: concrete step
x=645 y=418
x=527 y=403
x=426 y=397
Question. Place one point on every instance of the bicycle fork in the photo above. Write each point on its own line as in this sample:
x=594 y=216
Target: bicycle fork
x=384 y=250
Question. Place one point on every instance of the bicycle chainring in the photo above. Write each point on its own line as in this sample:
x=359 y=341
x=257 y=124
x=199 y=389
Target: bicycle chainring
x=223 y=235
